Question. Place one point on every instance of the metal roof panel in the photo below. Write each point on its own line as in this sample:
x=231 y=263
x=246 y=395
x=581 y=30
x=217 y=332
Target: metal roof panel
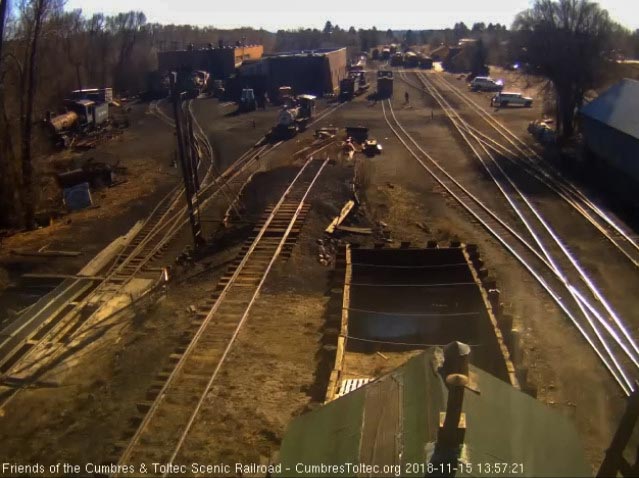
x=617 y=107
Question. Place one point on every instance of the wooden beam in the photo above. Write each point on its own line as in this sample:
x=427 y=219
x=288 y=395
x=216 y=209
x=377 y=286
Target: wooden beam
x=339 y=219
x=46 y=253
x=35 y=275
x=355 y=230
x=333 y=386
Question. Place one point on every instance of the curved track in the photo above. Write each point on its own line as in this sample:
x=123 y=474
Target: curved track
x=516 y=150
x=553 y=267
x=155 y=234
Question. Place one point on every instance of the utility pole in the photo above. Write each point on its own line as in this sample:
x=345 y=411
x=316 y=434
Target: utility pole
x=193 y=156
x=189 y=166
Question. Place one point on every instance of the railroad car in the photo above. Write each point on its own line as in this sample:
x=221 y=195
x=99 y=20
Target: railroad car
x=352 y=86
x=426 y=63
x=158 y=85
x=247 y=100
x=410 y=60
x=357 y=66
x=384 y=84
x=284 y=95
x=347 y=89
x=362 y=83
x=385 y=54
x=80 y=116
x=99 y=95
x=397 y=59
x=294 y=118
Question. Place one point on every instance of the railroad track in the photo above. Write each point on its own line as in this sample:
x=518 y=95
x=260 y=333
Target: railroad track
x=68 y=319
x=173 y=407
x=563 y=189
x=69 y=322
x=553 y=267
x=20 y=340
x=516 y=150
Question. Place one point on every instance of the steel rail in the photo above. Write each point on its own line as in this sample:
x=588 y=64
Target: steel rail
x=173 y=224
x=579 y=201
x=535 y=274
x=459 y=123
x=126 y=455
x=583 y=276
x=280 y=246
x=233 y=170
x=169 y=219
x=512 y=157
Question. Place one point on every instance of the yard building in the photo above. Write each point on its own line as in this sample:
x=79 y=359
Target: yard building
x=315 y=72
x=220 y=62
x=610 y=128
x=395 y=423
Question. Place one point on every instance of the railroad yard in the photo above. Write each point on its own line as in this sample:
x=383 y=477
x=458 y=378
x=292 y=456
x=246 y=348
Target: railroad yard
x=175 y=354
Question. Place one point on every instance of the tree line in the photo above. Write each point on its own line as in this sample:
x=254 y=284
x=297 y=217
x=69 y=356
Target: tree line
x=47 y=51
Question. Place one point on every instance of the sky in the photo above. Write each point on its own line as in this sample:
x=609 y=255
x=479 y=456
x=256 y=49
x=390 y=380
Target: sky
x=286 y=14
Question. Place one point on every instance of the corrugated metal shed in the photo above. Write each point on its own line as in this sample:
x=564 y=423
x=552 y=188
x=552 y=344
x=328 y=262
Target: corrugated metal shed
x=395 y=420
x=617 y=107
x=610 y=129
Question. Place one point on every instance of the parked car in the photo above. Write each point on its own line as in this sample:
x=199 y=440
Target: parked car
x=485 y=83
x=511 y=98
x=543 y=130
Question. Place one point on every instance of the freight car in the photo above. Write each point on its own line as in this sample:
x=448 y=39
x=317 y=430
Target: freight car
x=384 y=84
x=385 y=54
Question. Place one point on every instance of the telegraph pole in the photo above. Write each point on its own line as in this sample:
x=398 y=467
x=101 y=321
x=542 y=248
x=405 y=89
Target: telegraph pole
x=189 y=169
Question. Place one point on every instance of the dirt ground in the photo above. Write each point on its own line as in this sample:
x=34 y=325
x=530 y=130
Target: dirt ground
x=581 y=387
x=89 y=408
x=149 y=176
x=279 y=366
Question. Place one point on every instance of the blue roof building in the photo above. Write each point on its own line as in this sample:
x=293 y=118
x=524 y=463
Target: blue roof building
x=610 y=128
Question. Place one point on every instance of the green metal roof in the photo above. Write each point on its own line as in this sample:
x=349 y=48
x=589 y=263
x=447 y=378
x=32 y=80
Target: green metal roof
x=395 y=420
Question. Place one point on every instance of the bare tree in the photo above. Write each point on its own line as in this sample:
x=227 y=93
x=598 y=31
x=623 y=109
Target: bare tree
x=97 y=52
x=72 y=24
x=565 y=41
x=34 y=14
x=127 y=28
x=6 y=147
